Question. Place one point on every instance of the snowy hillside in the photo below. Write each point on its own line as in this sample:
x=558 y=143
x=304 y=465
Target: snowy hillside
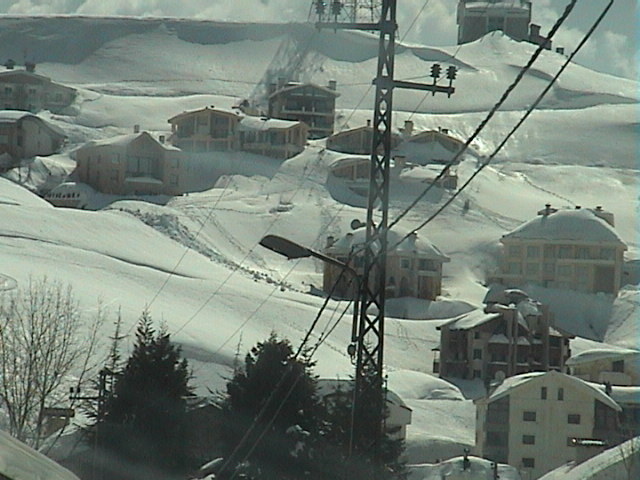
x=195 y=262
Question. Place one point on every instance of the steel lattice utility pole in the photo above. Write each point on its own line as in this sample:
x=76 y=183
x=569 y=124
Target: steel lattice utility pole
x=369 y=398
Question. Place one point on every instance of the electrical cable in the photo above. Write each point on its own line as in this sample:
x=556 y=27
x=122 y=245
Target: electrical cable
x=491 y=113
x=515 y=128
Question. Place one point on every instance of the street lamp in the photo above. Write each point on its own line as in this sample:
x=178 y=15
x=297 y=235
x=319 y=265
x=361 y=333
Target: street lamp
x=293 y=251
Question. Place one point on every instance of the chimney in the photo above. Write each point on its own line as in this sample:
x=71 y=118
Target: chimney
x=368 y=122
x=30 y=67
x=560 y=50
x=534 y=31
x=548 y=210
x=330 y=241
x=136 y=128
x=408 y=128
x=9 y=64
x=332 y=84
x=161 y=139
x=604 y=215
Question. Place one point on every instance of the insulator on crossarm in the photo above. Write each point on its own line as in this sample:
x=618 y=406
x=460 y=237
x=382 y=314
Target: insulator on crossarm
x=336 y=7
x=435 y=71
x=320 y=7
x=452 y=72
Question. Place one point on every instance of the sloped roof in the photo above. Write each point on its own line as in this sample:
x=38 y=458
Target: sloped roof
x=411 y=244
x=327 y=386
x=124 y=140
x=262 y=123
x=14 y=116
x=295 y=86
x=604 y=353
x=469 y=320
x=567 y=225
x=211 y=108
x=512 y=383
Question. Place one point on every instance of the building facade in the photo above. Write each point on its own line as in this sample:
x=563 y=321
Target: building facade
x=475 y=19
x=414 y=267
x=615 y=366
x=504 y=339
x=24 y=135
x=26 y=90
x=357 y=141
x=565 y=249
x=428 y=147
x=309 y=103
x=134 y=164
x=531 y=420
x=214 y=129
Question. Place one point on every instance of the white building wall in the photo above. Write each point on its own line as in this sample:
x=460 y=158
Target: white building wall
x=551 y=428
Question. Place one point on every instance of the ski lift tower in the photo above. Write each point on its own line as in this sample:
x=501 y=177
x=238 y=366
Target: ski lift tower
x=369 y=395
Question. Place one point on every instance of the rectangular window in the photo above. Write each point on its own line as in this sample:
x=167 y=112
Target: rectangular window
x=533 y=251
x=477 y=354
x=549 y=268
x=529 y=416
x=476 y=335
x=564 y=270
x=532 y=268
x=565 y=251
x=573 y=418
x=173 y=179
x=514 y=267
x=607 y=253
x=582 y=252
x=549 y=251
x=543 y=393
x=426 y=264
x=528 y=463
x=405 y=263
x=515 y=250
x=561 y=394
x=529 y=439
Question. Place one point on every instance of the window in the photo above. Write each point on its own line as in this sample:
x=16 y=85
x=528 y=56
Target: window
x=532 y=268
x=618 y=366
x=533 y=251
x=528 y=462
x=476 y=335
x=607 y=253
x=515 y=250
x=477 y=374
x=565 y=251
x=561 y=394
x=564 y=270
x=529 y=439
x=549 y=268
x=573 y=418
x=405 y=263
x=173 y=179
x=549 y=251
x=425 y=264
x=582 y=252
x=543 y=393
x=7 y=90
x=513 y=267
x=497 y=439
x=529 y=416
x=477 y=354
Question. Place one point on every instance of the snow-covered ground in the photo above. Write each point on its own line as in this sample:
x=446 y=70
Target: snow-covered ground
x=195 y=261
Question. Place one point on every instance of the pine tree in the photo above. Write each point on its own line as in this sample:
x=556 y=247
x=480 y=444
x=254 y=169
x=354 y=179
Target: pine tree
x=144 y=418
x=270 y=405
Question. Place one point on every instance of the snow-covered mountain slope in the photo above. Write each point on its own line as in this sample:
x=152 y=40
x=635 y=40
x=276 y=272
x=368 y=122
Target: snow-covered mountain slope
x=195 y=262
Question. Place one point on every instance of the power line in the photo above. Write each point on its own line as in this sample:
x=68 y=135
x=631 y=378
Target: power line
x=491 y=113
x=517 y=126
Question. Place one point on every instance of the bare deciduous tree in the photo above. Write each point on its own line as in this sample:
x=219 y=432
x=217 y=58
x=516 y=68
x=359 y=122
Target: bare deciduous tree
x=43 y=340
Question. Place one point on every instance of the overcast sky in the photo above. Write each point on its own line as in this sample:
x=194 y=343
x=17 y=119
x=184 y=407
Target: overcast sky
x=613 y=48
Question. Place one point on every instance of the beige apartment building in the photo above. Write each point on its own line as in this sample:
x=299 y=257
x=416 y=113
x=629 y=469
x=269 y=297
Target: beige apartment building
x=134 y=164
x=565 y=249
x=24 y=135
x=305 y=102
x=414 y=267
x=26 y=90
x=612 y=365
x=531 y=421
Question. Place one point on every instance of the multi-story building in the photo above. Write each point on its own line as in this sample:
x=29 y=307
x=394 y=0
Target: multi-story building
x=24 y=135
x=564 y=249
x=614 y=365
x=414 y=267
x=134 y=164
x=214 y=129
x=26 y=90
x=305 y=102
x=428 y=147
x=531 y=421
x=504 y=339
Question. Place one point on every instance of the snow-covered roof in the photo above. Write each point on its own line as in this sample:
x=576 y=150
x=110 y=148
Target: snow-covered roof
x=262 y=123
x=327 y=386
x=512 y=383
x=295 y=86
x=470 y=320
x=14 y=115
x=126 y=139
x=567 y=225
x=20 y=462
x=603 y=353
x=211 y=108
x=412 y=244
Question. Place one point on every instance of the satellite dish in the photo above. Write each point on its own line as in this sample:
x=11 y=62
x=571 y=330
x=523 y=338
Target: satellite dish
x=355 y=224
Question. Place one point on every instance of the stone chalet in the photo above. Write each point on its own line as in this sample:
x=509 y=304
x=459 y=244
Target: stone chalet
x=133 y=164
x=357 y=141
x=26 y=90
x=24 y=135
x=414 y=267
x=505 y=338
x=399 y=414
x=613 y=365
x=427 y=147
x=305 y=102
x=532 y=421
x=565 y=249
x=216 y=129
